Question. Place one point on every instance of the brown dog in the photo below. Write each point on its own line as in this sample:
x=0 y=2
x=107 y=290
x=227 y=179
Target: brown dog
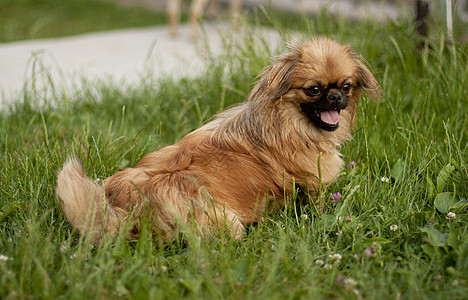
x=225 y=173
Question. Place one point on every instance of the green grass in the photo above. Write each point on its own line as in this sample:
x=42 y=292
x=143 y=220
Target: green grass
x=416 y=137
x=32 y=19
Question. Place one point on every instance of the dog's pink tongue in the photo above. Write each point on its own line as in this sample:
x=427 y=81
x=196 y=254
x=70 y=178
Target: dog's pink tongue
x=330 y=117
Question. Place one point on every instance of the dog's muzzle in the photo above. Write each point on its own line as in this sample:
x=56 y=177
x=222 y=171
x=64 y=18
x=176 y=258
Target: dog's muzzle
x=325 y=113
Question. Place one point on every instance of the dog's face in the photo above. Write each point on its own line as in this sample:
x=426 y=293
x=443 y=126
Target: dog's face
x=327 y=77
x=324 y=102
x=321 y=78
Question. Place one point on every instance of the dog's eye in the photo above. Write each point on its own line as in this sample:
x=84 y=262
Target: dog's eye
x=346 y=88
x=313 y=91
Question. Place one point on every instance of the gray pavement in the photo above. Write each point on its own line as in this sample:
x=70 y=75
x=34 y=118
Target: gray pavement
x=124 y=56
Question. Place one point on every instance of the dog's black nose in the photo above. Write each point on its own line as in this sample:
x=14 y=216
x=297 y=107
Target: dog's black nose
x=335 y=98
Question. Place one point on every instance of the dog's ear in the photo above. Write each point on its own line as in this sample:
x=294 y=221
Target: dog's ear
x=281 y=72
x=276 y=78
x=368 y=81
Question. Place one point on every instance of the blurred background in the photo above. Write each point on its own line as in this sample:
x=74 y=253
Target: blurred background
x=28 y=19
x=350 y=8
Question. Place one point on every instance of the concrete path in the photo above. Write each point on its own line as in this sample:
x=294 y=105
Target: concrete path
x=124 y=56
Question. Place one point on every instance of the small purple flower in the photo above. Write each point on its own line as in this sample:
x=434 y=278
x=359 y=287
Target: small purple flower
x=371 y=250
x=430 y=223
x=351 y=164
x=335 y=197
x=340 y=279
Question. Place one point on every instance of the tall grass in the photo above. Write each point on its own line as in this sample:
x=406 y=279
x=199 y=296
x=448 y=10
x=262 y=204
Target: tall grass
x=411 y=168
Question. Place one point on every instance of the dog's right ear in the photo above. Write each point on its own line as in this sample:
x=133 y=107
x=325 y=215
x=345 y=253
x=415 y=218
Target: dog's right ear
x=368 y=81
x=276 y=78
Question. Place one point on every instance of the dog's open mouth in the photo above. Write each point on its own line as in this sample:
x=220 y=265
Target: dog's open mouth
x=326 y=119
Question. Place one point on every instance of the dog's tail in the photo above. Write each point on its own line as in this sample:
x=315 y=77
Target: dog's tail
x=84 y=203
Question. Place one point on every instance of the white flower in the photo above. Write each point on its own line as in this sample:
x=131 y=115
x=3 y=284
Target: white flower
x=328 y=266
x=451 y=216
x=337 y=256
x=394 y=227
x=304 y=217
x=164 y=268
x=3 y=258
x=319 y=262
x=339 y=232
x=350 y=283
x=385 y=179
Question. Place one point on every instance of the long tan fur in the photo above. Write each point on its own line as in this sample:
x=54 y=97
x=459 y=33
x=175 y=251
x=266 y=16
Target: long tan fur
x=224 y=173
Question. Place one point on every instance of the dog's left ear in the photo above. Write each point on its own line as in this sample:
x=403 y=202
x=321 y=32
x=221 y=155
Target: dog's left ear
x=276 y=79
x=368 y=81
x=281 y=72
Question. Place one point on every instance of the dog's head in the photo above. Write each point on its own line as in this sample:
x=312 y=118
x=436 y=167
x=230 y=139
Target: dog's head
x=320 y=78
